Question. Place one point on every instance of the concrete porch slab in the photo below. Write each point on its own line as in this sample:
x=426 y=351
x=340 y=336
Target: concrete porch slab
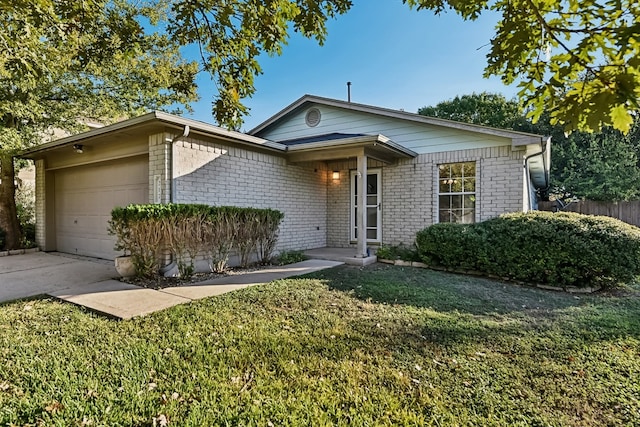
x=345 y=255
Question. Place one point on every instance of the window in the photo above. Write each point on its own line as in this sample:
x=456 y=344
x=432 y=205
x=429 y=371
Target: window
x=457 y=192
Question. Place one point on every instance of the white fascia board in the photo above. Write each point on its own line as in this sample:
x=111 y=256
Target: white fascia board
x=89 y=134
x=212 y=130
x=166 y=118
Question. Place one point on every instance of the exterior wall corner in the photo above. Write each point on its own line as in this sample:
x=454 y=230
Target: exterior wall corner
x=160 y=170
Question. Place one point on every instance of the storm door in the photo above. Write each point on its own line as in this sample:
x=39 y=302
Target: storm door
x=373 y=207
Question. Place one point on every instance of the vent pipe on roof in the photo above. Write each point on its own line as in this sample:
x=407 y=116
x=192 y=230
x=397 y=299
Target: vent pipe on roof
x=348 y=91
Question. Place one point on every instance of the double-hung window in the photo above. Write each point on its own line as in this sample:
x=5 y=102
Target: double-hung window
x=457 y=192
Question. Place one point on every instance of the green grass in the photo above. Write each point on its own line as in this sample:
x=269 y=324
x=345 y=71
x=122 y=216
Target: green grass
x=376 y=346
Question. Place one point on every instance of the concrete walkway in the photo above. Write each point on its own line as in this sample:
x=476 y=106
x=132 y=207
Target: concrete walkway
x=91 y=283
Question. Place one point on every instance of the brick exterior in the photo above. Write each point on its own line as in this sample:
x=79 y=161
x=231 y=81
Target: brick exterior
x=410 y=188
x=339 y=204
x=316 y=208
x=40 y=203
x=219 y=174
x=216 y=167
x=160 y=168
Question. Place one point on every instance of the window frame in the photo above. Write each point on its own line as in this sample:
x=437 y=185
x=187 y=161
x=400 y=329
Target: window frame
x=462 y=194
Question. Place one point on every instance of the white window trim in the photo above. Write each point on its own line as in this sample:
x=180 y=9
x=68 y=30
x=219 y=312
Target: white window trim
x=464 y=193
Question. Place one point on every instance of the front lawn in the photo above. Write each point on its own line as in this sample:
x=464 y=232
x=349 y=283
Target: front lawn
x=382 y=345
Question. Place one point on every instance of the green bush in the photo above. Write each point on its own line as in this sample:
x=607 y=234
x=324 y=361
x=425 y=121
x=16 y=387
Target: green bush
x=561 y=249
x=147 y=232
x=26 y=211
x=3 y=236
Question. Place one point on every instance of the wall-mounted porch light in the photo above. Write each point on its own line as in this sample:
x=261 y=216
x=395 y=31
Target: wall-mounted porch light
x=78 y=148
x=335 y=175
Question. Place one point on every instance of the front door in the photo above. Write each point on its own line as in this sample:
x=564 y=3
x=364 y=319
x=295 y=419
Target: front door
x=374 y=206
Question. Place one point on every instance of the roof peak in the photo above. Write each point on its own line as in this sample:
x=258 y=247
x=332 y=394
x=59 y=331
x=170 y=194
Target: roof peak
x=521 y=137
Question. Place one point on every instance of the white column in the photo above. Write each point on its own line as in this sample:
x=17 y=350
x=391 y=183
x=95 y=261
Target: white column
x=361 y=183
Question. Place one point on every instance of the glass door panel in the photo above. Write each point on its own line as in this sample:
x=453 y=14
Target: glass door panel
x=373 y=206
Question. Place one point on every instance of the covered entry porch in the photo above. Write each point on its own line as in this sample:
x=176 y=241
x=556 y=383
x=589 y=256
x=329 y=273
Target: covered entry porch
x=354 y=165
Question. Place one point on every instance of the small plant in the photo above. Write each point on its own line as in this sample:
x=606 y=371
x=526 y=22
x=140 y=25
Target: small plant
x=3 y=236
x=291 y=257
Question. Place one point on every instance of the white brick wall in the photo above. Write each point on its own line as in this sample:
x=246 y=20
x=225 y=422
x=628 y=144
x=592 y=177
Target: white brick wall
x=160 y=167
x=40 y=203
x=316 y=208
x=338 y=202
x=410 y=188
x=218 y=174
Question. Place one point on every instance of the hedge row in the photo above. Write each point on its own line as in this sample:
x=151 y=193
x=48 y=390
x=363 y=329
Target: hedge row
x=147 y=232
x=559 y=249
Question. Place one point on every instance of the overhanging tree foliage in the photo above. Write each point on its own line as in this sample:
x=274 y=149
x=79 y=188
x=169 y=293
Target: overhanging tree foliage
x=64 y=61
x=486 y=109
x=577 y=60
x=602 y=165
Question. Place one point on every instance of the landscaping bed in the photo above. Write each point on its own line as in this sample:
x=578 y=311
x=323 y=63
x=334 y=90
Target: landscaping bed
x=161 y=282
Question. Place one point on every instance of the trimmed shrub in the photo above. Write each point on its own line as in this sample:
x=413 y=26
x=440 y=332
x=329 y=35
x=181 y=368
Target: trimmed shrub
x=559 y=249
x=186 y=230
x=139 y=230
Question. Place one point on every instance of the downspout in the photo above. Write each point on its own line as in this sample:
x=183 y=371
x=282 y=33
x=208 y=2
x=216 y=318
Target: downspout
x=185 y=133
x=544 y=145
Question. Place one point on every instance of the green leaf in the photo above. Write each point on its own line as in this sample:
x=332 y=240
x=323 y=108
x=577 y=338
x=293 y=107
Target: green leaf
x=621 y=118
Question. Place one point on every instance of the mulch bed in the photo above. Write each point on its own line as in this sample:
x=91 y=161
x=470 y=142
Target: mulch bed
x=161 y=282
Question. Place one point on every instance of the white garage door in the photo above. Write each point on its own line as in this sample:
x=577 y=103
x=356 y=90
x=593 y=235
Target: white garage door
x=84 y=198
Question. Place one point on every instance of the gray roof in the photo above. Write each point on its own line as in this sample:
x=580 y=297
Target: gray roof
x=318 y=138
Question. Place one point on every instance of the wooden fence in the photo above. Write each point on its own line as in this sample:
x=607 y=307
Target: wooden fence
x=628 y=212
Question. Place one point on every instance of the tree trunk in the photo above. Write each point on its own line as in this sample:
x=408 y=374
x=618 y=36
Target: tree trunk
x=8 y=215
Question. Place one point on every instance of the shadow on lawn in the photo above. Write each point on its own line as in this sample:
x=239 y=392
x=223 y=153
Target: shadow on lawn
x=443 y=292
x=591 y=317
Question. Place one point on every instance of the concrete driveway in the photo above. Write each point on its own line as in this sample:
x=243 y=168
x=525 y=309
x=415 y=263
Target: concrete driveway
x=83 y=281
x=90 y=283
x=39 y=273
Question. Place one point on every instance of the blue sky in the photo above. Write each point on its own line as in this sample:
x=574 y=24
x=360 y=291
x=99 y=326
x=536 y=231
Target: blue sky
x=395 y=57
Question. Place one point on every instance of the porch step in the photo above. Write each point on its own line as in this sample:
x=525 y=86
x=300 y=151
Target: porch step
x=346 y=255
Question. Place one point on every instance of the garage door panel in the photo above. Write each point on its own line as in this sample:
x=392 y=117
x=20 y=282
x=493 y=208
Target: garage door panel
x=84 y=198
x=122 y=196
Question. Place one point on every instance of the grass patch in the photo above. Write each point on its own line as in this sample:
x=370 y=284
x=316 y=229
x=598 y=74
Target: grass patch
x=290 y=257
x=347 y=346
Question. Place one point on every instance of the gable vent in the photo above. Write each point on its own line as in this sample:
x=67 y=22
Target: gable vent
x=313 y=117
